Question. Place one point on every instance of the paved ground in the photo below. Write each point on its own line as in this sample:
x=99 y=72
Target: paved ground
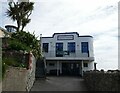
x=59 y=84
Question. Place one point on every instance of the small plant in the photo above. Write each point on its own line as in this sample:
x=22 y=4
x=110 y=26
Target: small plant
x=10 y=61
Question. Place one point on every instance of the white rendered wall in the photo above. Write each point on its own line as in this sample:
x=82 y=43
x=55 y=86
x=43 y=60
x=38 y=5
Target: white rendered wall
x=90 y=66
x=52 y=43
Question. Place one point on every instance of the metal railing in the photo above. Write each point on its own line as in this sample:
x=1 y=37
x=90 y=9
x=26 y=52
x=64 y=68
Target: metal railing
x=75 y=54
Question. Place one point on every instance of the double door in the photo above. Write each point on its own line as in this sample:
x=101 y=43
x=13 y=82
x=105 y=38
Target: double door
x=72 y=69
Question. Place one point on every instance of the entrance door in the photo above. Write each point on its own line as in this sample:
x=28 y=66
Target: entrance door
x=59 y=49
x=72 y=69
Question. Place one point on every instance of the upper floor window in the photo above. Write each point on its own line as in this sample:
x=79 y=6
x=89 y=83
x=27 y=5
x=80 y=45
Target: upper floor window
x=84 y=47
x=71 y=47
x=45 y=47
x=59 y=49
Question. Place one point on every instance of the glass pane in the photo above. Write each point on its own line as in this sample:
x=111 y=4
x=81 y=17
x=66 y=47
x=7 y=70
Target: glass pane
x=45 y=47
x=71 y=47
x=84 y=46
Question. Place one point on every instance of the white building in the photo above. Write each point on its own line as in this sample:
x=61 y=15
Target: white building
x=68 y=53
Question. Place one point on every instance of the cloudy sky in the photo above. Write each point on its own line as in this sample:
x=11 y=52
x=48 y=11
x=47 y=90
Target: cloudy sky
x=98 y=18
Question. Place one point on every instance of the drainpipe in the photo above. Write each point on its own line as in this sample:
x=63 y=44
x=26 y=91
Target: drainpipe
x=95 y=67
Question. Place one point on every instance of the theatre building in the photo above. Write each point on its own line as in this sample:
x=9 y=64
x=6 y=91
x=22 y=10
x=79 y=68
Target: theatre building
x=68 y=53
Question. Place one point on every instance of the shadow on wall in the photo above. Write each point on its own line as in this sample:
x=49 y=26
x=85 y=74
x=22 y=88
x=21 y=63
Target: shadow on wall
x=40 y=68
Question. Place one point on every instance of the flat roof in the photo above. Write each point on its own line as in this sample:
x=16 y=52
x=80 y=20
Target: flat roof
x=69 y=33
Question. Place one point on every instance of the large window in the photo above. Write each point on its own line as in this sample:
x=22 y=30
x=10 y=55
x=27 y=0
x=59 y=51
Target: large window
x=45 y=47
x=84 y=47
x=71 y=47
x=59 y=49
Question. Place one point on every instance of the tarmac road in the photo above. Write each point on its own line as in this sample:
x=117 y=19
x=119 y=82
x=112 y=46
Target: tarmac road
x=62 y=83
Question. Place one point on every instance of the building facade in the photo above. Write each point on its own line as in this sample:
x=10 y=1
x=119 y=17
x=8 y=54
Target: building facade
x=4 y=33
x=68 y=53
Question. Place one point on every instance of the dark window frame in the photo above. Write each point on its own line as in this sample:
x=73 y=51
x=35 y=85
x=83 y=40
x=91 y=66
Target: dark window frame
x=71 y=47
x=45 y=47
x=84 y=47
x=85 y=64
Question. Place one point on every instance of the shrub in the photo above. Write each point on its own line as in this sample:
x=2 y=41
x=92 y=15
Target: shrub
x=29 y=40
x=17 y=45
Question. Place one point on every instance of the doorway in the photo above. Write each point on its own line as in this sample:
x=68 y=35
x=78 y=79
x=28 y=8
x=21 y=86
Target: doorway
x=72 y=69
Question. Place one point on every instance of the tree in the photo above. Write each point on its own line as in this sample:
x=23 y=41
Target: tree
x=20 y=12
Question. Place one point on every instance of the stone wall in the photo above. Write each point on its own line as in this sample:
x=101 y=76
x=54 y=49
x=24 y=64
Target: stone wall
x=102 y=81
x=19 y=79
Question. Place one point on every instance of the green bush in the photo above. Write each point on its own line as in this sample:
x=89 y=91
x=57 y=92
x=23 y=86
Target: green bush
x=17 y=45
x=15 y=62
x=10 y=62
x=29 y=40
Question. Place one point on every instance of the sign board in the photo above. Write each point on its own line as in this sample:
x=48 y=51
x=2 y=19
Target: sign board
x=65 y=37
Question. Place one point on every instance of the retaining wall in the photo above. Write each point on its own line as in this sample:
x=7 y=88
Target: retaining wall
x=19 y=79
x=102 y=81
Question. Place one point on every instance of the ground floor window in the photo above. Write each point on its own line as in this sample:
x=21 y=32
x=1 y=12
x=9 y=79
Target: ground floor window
x=51 y=64
x=85 y=64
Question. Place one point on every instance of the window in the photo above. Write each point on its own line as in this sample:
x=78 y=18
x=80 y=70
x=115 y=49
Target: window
x=45 y=47
x=85 y=64
x=59 y=49
x=71 y=47
x=84 y=47
x=51 y=64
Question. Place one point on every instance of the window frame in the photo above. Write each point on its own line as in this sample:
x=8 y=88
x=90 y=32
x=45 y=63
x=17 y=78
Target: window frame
x=85 y=64
x=72 y=48
x=45 y=49
x=83 y=50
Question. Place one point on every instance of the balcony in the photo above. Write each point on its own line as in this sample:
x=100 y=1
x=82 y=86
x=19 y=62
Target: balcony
x=65 y=55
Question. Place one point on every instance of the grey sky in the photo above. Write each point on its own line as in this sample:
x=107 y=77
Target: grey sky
x=98 y=18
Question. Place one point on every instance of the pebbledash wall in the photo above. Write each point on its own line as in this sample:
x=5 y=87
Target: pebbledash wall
x=19 y=79
x=68 y=52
